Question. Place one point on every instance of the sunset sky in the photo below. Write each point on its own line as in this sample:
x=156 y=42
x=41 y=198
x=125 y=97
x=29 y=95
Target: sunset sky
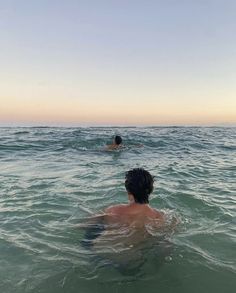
x=162 y=62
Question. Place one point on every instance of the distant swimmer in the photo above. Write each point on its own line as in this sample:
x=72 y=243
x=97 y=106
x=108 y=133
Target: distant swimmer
x=116 y=144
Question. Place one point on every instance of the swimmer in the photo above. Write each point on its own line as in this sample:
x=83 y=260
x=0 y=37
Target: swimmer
x=138 y=212
x=117 y=143
x=136 y=215
x=121 y=233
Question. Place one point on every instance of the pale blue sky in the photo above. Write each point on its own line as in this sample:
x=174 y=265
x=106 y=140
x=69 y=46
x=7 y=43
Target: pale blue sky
x=118 y=62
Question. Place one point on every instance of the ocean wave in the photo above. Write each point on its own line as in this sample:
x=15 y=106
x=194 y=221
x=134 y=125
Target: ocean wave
x=52 y=178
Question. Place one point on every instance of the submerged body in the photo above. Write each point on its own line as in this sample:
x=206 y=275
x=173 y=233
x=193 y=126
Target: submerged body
x=125 y=225
x=129 y=225
x=125 y=234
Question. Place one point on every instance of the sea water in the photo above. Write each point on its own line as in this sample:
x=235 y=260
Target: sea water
x=53 y=178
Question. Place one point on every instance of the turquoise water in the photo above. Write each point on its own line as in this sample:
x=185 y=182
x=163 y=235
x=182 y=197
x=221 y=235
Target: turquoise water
x=52 y=178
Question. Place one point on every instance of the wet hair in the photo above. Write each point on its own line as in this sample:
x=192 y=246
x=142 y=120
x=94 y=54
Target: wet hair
x=139 y=183
x=118 y=139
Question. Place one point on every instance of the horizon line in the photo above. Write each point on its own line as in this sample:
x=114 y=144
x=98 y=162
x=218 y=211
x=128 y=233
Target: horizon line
x=115 y=126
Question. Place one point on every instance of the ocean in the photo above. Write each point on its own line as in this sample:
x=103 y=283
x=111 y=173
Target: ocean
x=53 y=178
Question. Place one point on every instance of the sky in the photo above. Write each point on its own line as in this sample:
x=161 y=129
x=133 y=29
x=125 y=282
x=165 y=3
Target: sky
x=109 y=62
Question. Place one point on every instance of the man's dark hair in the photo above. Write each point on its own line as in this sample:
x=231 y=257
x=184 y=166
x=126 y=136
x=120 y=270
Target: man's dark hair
x=139 y=183
x=118 y=139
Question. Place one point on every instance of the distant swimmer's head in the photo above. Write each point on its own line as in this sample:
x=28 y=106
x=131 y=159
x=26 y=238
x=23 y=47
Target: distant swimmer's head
x=139 y=184
x=117 y=140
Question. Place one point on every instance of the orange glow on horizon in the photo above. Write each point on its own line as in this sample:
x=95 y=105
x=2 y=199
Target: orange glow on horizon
x=83 y=114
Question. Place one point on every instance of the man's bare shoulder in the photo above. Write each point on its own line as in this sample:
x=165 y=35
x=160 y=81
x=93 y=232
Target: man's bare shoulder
x=117 y=209
x=111 y=147
x=157 y=214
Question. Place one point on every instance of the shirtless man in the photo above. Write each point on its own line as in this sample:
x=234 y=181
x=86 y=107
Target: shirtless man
x=124 y=234
x=117 y=143
x=139 y=185
x=137 y=218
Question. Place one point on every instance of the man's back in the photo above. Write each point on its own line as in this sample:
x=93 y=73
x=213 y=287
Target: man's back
x=133 y=214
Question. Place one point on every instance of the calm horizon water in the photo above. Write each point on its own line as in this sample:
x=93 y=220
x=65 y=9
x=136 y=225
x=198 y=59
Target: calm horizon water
x=53 y=178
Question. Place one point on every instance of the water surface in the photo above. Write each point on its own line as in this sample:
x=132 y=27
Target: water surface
x=52 y=178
